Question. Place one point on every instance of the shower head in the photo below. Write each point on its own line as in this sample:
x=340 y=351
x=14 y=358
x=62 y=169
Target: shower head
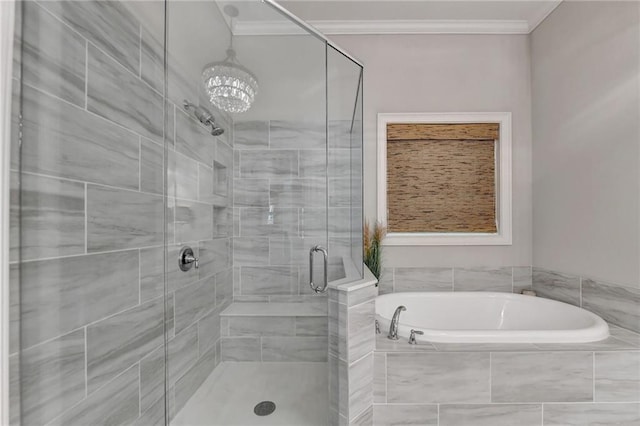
x=205 y=117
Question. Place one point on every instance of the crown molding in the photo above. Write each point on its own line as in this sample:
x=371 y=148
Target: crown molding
x=370 y=27
x=537 y=20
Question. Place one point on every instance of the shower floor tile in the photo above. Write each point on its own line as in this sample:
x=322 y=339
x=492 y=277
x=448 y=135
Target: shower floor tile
x=228 y=396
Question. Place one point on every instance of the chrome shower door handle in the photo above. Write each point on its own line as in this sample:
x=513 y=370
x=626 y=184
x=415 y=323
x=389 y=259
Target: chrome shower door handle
x=325 y=255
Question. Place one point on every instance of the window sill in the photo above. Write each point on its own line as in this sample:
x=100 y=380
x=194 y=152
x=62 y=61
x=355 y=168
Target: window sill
x=446 y=239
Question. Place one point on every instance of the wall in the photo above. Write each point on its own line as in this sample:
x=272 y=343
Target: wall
x=351 y=345
x=292 y=191
x=586 y=104
x=586 y=132
x=432 y=73
x=88 y=297
x=279 y=214
x=585 y=60
x=453 y=384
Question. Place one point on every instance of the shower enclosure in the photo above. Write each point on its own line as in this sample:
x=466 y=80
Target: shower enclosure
x=163 y=244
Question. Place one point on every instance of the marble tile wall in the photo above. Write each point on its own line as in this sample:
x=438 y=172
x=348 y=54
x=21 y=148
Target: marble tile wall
x=351 y=354
x=274 y=338
x=504 y=385
x=281 y=210
x=544 y=384
x=280 y=205
x=615 y=303
x=95 y=217
x=506 y=279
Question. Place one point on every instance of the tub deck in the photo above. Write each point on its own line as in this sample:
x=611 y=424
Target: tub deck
x=619 y=339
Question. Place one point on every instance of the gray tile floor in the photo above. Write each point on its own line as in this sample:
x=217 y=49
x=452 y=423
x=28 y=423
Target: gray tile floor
x=228 y=396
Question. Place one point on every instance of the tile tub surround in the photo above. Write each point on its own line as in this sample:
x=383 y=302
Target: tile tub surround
x=505 y=385
x=506 y=279
x=92 y=278
x=615 y=303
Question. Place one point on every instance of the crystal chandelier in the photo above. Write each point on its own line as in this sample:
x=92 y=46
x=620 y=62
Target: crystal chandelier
x=230 y=86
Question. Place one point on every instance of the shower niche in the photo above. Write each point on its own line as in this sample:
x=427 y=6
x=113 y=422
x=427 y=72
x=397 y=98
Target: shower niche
x=222 y=204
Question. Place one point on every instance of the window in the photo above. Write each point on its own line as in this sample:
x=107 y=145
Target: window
x=445 y=179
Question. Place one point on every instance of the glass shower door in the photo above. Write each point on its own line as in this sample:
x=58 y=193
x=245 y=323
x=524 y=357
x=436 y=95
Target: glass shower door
x=251 y=202
x=344 y=97
x=161 y=240
x=199 y=275
x=88 y=193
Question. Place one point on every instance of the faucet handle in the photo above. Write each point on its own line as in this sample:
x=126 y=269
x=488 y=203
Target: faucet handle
x=412 y=336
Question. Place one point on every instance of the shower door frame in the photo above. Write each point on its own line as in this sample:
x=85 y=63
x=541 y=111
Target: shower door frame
x=7 y=21
x=311 y=30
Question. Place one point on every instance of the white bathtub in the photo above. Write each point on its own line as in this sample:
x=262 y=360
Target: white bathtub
x=483 y=317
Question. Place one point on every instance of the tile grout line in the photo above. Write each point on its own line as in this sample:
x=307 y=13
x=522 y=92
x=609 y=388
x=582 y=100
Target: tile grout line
x=393 y=280
x=140 y=163
x=86 y=222
x=140 y=277
x=112 y=187
x=386 y=381
x=490 y=377
x=139 y=389
x=88 y=111
x=86 y=364
x=49 y=340
x=593 y=373
x=140 y=51
x=453 y=279
x=86 y=75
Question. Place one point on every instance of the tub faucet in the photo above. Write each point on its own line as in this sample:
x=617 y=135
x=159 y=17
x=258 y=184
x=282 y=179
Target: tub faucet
x=412 y=336
x=393 y=328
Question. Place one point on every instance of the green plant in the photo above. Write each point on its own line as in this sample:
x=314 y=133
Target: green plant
x=372 y=243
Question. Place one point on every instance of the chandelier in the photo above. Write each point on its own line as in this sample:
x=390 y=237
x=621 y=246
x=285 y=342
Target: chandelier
x=230 y=86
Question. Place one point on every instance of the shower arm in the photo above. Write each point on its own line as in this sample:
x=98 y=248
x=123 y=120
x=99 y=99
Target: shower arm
x=204 y=116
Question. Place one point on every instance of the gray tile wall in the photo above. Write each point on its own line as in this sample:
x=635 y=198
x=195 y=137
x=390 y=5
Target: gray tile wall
x=498 y=386
x=544 y=384
x=351 y=356
x=505 y=279
x=280 y=190
x=94 y=222
x=274 y=338
x=280 y=212
x=615 y=303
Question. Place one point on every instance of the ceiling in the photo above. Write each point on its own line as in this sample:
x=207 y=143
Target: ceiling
x=402 y=17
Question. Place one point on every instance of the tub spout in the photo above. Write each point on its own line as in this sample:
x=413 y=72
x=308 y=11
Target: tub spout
x=393 y=328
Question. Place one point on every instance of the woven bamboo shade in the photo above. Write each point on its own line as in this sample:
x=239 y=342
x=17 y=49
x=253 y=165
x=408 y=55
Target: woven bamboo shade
x=441 y=177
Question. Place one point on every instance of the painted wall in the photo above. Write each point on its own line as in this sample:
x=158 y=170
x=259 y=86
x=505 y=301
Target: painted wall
x=433 y=73
x=586 y=139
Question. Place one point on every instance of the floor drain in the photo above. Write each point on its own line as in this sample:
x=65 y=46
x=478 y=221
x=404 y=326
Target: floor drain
x=264 y=408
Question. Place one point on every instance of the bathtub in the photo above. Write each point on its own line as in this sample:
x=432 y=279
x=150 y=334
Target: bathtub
x=484 y=317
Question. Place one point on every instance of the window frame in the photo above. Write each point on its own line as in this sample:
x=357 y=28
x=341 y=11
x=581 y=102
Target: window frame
x=504 y=191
